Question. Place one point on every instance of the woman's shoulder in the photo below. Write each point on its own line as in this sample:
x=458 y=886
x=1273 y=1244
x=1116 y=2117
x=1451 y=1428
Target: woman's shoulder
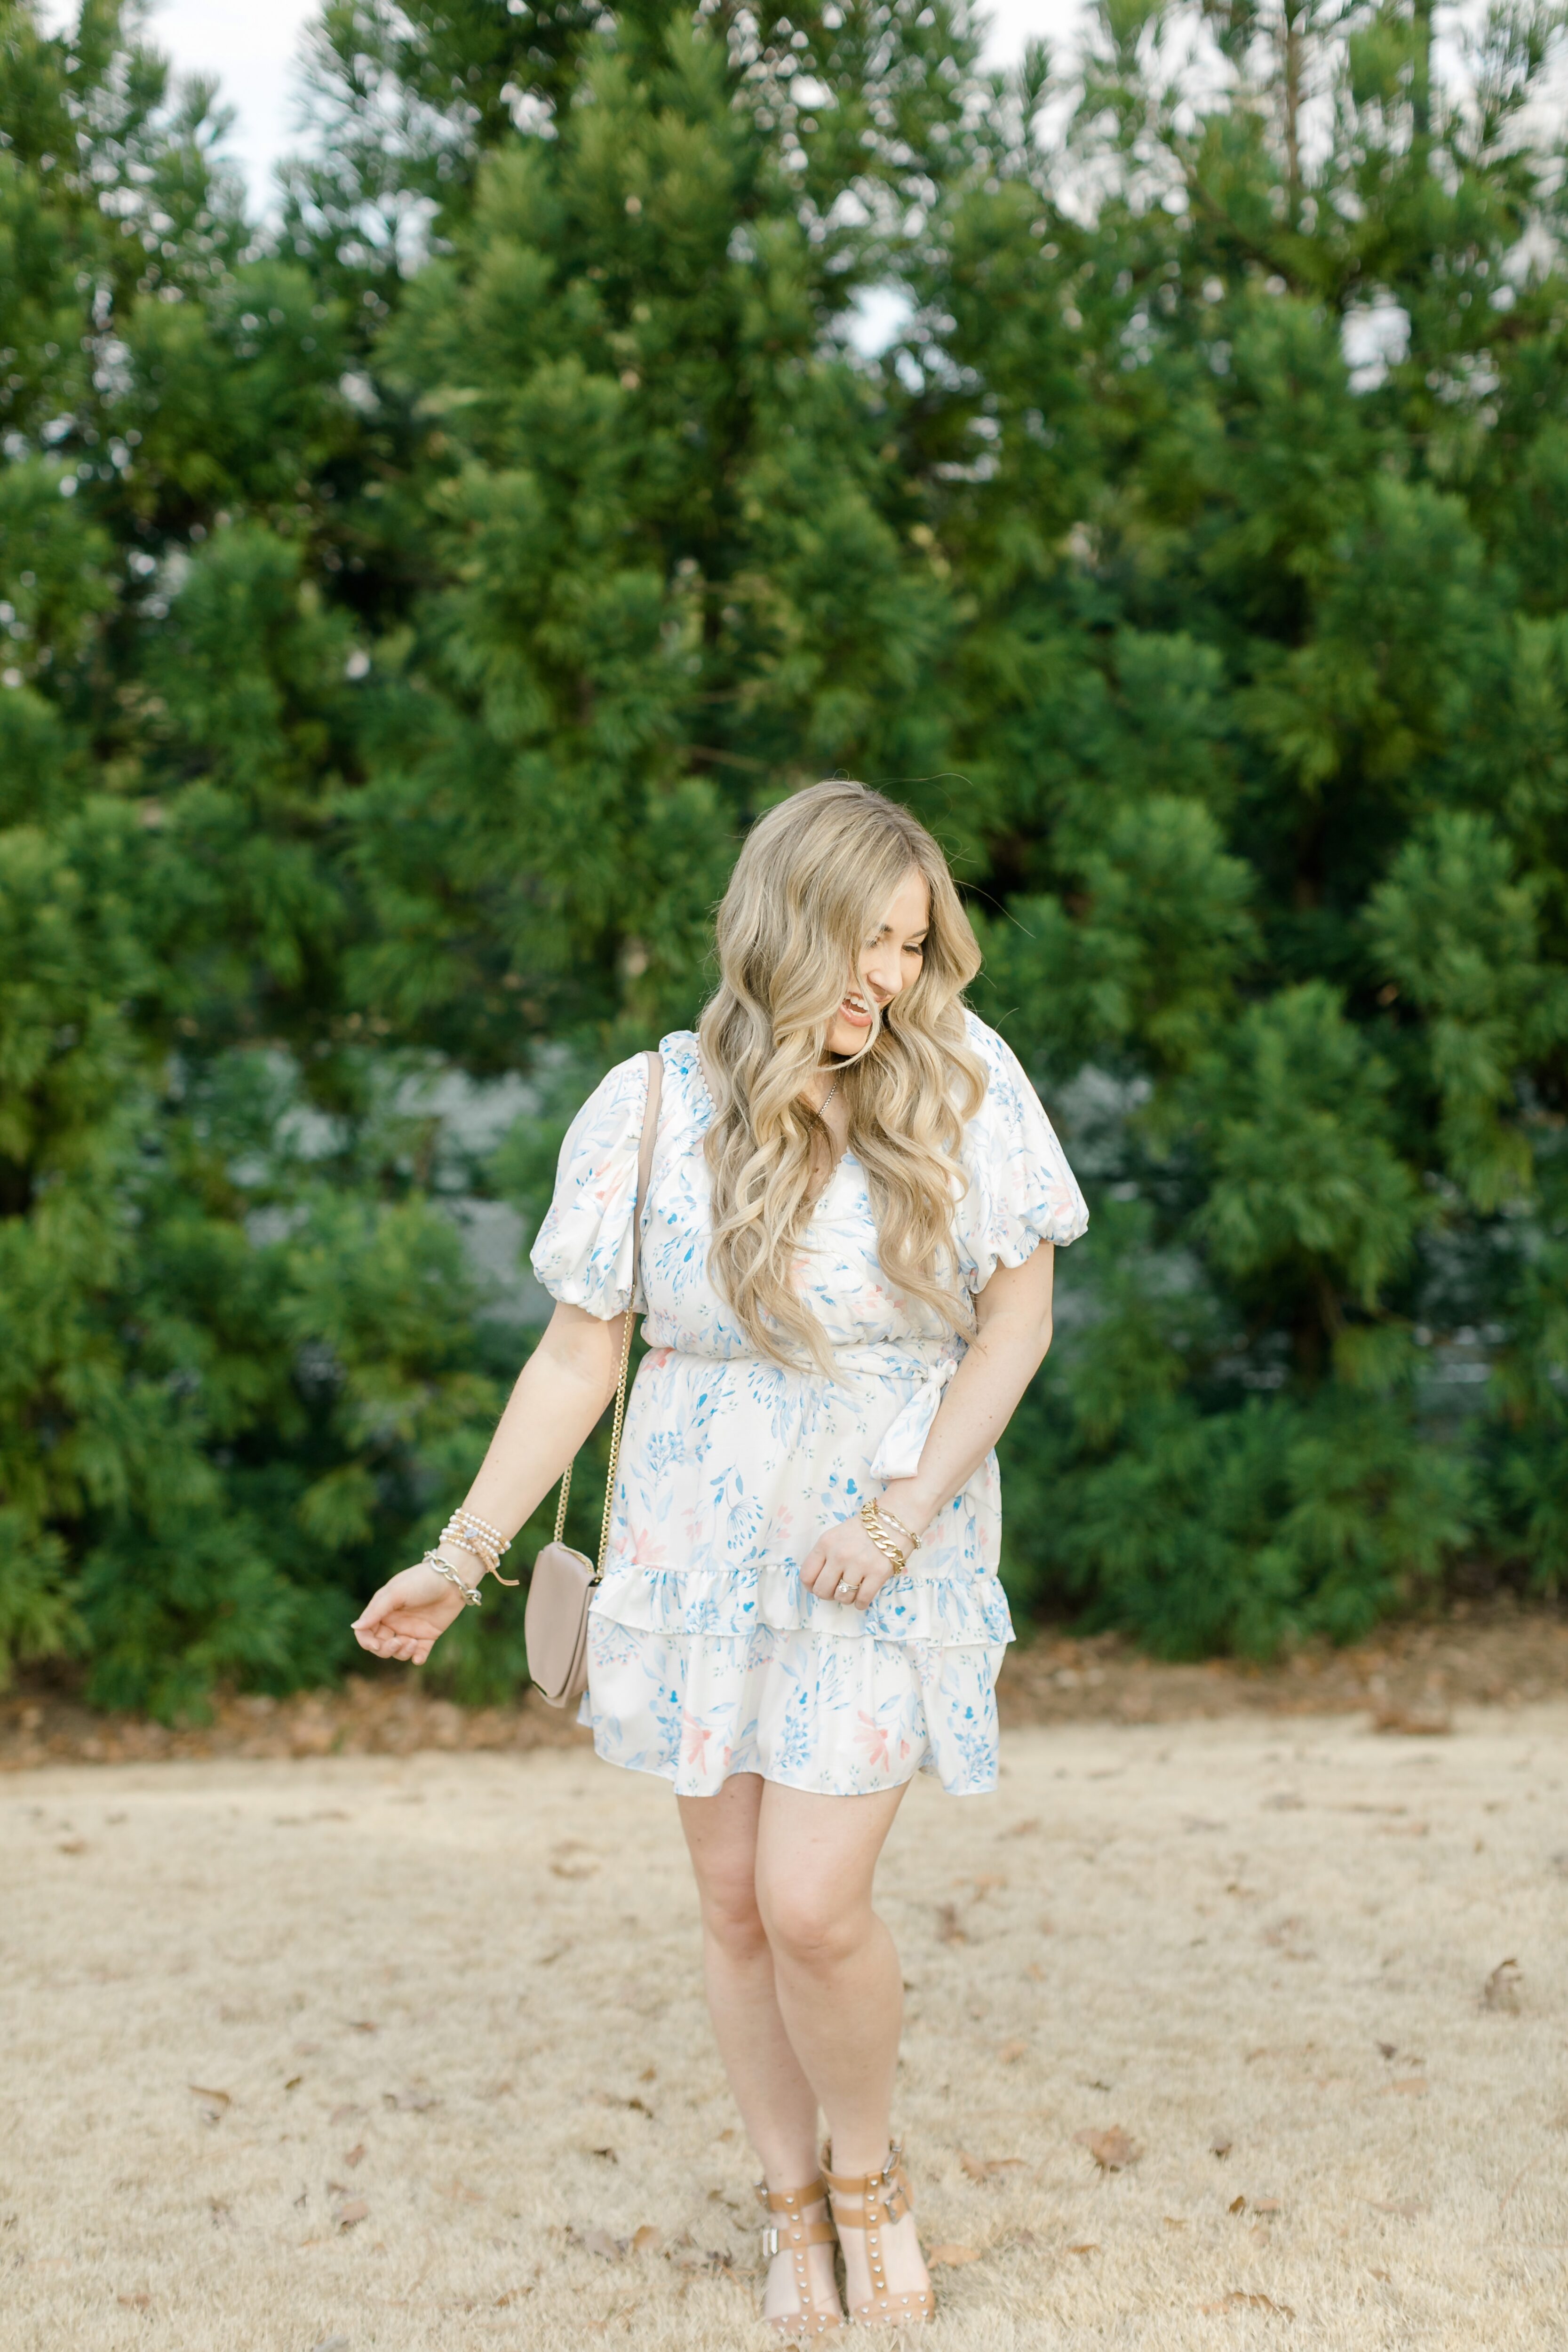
x=676 y=1050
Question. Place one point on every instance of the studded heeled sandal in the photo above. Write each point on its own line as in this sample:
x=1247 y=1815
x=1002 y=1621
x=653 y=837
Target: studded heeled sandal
x=793 y=2237
x=867 y=2202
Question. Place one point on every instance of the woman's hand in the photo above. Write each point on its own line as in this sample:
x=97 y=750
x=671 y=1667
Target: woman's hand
x=843 y=1556
x=408 y=1615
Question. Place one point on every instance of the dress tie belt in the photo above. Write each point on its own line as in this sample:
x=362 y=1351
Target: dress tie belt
x=903 y=1440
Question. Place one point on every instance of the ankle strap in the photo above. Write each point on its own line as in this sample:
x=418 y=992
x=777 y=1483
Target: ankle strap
x=786 y=2200
x=888 y=2189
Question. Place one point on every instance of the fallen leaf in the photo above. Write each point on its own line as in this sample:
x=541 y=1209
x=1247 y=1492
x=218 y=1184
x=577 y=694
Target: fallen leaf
x=293 y=2083
x=414 y=2100
x=344 y=2115
x=135 y=2302
x=948 y=1929
x=646 y=2240
x=1267 y=2204
x=983 y=1884
x=648 y=2074
x=364 y=2025
x=573 y=1869
x=1406 y=2208
x=218 y=2102
x=1389 y=2049
x=975 y=2167
x=1011 y=2052
x=1220 y=2148
x=1501 y=1990
x=1417 y=1722
x=1172 y=2222
x=608 y=2153
x=952 y=2255
x=1237 y=2299
x=1413 y=2086
x=1024 y=1829
x=356 y=2156
x=690 y=2257
x=600 y=2242
x=1386 y=2276
x=1089 y=2248
x=349 y=2216
x=71 y=1845
x=1111 y=2148
x=1236 y=2205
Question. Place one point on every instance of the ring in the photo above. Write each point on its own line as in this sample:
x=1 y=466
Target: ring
x=848 y=1592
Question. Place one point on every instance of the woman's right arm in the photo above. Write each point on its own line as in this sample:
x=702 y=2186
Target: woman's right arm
x=558 y=1398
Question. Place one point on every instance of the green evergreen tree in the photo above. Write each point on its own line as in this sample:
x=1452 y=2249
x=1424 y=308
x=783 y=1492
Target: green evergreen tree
x=406 y=609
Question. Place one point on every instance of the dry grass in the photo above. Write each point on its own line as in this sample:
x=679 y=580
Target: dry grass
x=460 y=1993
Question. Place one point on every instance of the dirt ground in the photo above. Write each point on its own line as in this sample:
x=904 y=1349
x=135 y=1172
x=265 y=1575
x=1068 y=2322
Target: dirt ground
x=1408 y=1680
x=1225 y=2031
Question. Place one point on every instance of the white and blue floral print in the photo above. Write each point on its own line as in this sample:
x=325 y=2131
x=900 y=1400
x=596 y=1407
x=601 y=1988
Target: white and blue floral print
x=707 y=1655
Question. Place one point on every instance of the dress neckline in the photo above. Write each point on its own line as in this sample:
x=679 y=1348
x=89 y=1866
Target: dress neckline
x=712 y=1106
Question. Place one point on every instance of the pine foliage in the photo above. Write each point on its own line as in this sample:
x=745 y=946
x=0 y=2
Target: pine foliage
x=1155 y=473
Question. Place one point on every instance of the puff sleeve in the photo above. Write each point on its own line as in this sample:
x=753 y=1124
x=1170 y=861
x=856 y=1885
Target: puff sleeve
x=582 y=1252
x=1022 y=1191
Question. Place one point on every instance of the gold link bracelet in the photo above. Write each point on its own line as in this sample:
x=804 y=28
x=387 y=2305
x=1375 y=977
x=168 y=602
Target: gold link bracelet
x=871 y=1520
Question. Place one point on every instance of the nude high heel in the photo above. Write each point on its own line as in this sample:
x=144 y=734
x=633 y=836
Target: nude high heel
x=866 y=2202
x=809 y=2317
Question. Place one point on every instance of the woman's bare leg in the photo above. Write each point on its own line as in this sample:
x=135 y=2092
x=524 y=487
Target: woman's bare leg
x=777 y=2103
x=839 y=1985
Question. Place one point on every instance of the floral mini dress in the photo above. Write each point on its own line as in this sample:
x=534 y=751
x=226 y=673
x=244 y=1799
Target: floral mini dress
x=707 y=1655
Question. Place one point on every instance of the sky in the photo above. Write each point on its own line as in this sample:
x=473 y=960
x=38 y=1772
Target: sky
x=251 y=46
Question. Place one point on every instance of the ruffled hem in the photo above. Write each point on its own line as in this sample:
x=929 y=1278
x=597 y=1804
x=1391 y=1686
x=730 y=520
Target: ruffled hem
x=834 y=1718
x=729 y=1603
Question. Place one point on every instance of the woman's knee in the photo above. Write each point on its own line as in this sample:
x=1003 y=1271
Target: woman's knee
x=811 y=1922
x=730 y=1913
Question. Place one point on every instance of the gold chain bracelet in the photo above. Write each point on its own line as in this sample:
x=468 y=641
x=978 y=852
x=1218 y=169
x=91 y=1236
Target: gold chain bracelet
x=870 y=1519
x=911 y=1541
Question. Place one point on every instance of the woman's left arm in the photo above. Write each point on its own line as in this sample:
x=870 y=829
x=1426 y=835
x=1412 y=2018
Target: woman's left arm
x=1012 y=1314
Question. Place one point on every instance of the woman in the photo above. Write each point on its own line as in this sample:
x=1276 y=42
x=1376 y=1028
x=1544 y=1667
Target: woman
x=846 y=1262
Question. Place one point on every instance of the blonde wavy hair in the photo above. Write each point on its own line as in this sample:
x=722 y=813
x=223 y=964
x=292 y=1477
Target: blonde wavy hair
x=810 y=887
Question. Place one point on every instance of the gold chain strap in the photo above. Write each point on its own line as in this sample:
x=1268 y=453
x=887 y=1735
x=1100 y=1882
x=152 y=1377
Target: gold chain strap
x=620 y=1393
x=614 y=1443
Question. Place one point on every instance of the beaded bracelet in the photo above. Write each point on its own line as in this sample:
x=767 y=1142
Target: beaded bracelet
x=478 y=1535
